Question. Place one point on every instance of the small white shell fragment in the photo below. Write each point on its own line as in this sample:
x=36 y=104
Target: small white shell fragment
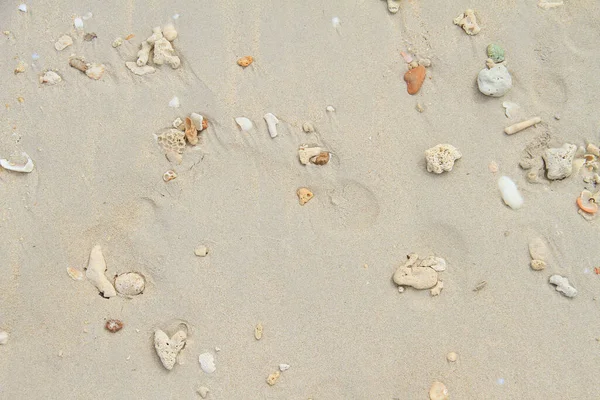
x=305 y=153
x=284 y=367
x=78 y=23
x=198 y=120
x=63 y=42
x=169 y=32
x=130 y=284
x=546 y=5
x=201 y=251
x=136 y=69
x=510 y=193
x=23 y=164
x=437 y=263
x=510 y=109
x=3 y=337
x=244 y=123
x=95 y=71
x=272 y=122
x=95 y=273
x=563 y=285
x=330 y=108
x=174 y=103
x=335 y=21
x=452 y=356
x=50 y=78
x=75 y=274
x=203 y=391
x=23 y=8
x=168 y=349
x=207 y=363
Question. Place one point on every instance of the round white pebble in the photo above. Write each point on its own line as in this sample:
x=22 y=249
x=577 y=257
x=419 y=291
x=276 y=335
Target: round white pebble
x=130 y=284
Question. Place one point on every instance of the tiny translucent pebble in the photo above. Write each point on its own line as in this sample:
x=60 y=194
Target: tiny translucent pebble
x=35 y=56
x=78 y=22
x=335 y=21
x=23 y=7
x=330 y=108
x=174 y=102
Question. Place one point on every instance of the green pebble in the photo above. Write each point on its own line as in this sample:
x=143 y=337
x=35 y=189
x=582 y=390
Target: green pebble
x=495 y=52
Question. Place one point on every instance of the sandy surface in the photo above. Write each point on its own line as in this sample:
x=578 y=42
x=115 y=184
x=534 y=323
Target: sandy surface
x=344 y=328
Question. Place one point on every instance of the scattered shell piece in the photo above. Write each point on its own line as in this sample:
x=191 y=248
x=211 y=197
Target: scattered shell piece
x=165 y=54
x=538 y=249
x=495 y=81
x=510 y=193
x=20 y=68
x=50 y=78
x=510 y=109
x=546 y=5
x=438 y=391
x=563 y=286
x=113 y=325
x=437 y=289
x=304 y=195
x=419 y=108
x=272 y=122
x=63 y=42
x=284 y=367
x=414 y=79
x=425 y=62
x=201 y=250
x=321 y=159
x=441 y=158
x=174 y=102
x=308 y=127
x=178 y=124
x=410 y=274
x=593 y=149
x=493 y=167
x=3 y=337
x=78 y=63
x=538 y=265
x=18 y=163
x=495 y=52
x=306 y=153
x=172 y=140
x=468 y=21
x=169 y=175
x=518 y=127
x=75 y=274
x=244 y=123
x=437 y=263
x=393 y=6
x=272 y=379
x=191 y=133
x=207 y=363
x=169 y=32
x=130 y=36
x=407 y=57
x=330 y=109
x=587 y=202
x=245 y=61
x=95 y=273
x=130 y=284
x=559 y=161
x=88 y=37
x=199 y=121
x=480 y=286
x=95 y=71
x=78 y=23
x=203 y=391
x=23 y=8
x=136 y=69
x=335 y=22
x=452 y=356
x=258 y=331
x=168 y=349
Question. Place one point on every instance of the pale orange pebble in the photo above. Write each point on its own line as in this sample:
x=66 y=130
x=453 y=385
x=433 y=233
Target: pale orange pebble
x=130 y=36
x=414 y=79
x=245 y=61
x=304 y=195
x=493 y=167
x=586 y=203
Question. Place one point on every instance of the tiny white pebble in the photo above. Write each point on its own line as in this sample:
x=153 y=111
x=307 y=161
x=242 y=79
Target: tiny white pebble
x=174 y=102
x=23 y=7
x=335 y=21
x=175 y=16
x=3 y=337
x=401 y=289
x=330 y=108
x=217 y=349
x=284 y=367
x=78 y=22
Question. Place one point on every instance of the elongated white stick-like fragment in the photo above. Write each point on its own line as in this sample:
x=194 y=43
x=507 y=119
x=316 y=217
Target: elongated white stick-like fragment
x=272 y=122
x=518 y=127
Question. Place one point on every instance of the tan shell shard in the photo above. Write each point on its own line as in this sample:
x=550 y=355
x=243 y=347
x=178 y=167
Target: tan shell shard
x=191 y=133
x=78 y=63
x=272 y=379
x=438 y=391
x=75 y=274
x=321 y=159
x=304 y=195
x=258 y=331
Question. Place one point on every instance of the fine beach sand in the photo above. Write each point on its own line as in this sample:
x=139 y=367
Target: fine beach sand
x=318 y=276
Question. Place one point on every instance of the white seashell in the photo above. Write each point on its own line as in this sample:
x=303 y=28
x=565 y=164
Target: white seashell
x=75 y=273
x=335 y=21
x=330 y=108
x=23 y=7
x=63 y=42
x=12 y=165
x=174 y=102
x=95 y=71
x=78 y=22
x=272 y=122
x=207 y=363
x=244 y=123
x=284 y=367
x=50 y=78
x=510 y=193
x=197 y=119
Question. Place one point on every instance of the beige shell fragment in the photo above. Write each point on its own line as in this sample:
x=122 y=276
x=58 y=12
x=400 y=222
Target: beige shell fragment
x=75 y=274
x=258 y=331
x=438 y=391
x=272 y=379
